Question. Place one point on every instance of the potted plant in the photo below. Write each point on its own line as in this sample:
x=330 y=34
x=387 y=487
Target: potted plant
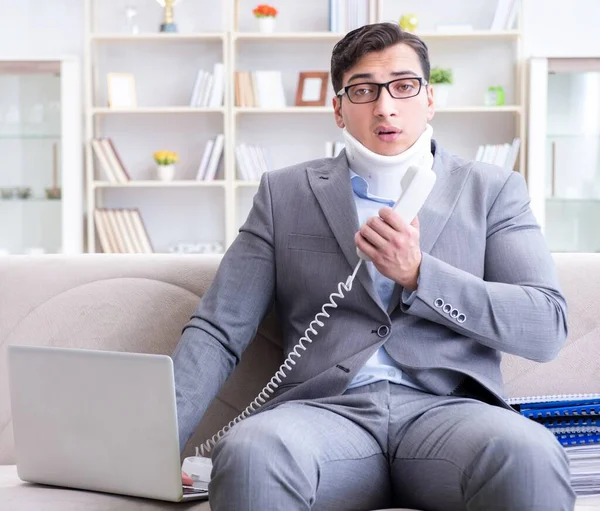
x=441 y=79
x=166 y=164
x=266 y=17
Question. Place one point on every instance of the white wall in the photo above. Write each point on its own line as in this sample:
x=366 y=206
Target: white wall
x=41 y=27
x=556 y=28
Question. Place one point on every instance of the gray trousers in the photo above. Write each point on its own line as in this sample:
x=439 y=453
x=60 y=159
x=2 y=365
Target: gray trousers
x=385 y=445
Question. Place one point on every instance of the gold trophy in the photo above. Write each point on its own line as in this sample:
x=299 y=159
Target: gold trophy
x=168 y=25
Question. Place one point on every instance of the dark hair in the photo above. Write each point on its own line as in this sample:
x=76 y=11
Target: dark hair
x=373 y=38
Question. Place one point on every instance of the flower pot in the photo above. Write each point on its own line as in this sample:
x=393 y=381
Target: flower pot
x=165 y=172
x=441 y=93
x=266 y=24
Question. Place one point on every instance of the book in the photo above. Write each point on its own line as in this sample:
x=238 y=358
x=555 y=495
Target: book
x=103 y=162
x=215 y=99
x=204 y=161
x=122 y=231
x=215 y=157
x=109 y=159
x=503 y=155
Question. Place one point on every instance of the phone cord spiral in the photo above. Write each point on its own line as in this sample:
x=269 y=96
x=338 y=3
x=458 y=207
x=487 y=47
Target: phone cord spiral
x=287 y=364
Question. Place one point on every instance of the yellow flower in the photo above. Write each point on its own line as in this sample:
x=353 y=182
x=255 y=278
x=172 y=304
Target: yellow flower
x=165 y=157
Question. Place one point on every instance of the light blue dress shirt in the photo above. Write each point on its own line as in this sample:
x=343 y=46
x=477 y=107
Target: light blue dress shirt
x=380 y=366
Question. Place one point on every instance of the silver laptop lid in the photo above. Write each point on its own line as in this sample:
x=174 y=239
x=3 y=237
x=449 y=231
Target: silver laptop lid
x=96 y=420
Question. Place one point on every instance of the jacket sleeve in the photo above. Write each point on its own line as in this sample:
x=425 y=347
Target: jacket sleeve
x=227 y=317
x=517 y=307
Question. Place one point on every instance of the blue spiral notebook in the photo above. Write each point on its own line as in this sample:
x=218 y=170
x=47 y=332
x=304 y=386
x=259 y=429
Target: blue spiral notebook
x=563 y=405
x=574 y=419
x=571 y=422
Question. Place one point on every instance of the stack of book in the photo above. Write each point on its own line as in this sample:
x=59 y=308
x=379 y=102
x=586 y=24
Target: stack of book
x=109 y=162
x=122 y=231
x=252 y=162
x=503 y=155
x=574 y=420
x=213 y=150
x=332 y=149
x=209 y=87
x=263 y=89
x=505 y=15
x=346 y=15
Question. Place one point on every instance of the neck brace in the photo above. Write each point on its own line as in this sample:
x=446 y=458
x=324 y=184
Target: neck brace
x=383 y=174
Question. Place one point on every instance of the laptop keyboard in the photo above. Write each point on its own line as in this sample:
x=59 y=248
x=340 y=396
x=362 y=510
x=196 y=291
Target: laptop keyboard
x=190 y=489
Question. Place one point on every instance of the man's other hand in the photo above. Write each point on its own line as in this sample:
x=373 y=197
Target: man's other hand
x=186 y=479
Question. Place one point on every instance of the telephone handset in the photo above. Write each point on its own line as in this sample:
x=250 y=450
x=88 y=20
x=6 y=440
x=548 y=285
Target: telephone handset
x=416 y=185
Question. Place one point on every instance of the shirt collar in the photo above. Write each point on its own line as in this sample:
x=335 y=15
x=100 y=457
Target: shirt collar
x=361 y=189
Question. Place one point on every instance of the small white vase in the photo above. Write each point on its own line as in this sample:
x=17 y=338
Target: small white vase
x=441 y=93
x=165 y=172
x=266 y=25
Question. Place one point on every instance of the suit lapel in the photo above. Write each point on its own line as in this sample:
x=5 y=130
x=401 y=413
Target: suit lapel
x=332 y=188
x=438 y=207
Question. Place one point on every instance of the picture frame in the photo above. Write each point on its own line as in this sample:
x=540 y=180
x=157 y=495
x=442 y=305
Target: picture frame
x=121 y=90
x=312 y=88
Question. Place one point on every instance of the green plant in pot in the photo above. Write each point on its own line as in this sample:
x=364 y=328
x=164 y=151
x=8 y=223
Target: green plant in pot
x=441 y=80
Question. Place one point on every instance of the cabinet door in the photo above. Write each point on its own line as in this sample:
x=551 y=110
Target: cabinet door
x=37 y=158
x=564 y=155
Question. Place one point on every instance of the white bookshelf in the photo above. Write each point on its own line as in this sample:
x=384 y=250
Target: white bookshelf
x=155 y=110
x=161 y=37
x=300 y=42
x=160 y=184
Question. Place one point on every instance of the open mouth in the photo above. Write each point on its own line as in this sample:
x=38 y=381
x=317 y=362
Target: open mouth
x=387 y=130
x=387 y=133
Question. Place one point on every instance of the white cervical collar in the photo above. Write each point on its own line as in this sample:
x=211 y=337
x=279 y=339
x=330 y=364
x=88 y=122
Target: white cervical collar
x=383 y=174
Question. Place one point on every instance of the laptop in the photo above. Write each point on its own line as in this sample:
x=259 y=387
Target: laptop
x=97 y=420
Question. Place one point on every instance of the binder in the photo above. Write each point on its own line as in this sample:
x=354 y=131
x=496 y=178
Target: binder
x=561 y=411
x=561 y=398
x=561 y=405
x=571 y=422
x=570 y=440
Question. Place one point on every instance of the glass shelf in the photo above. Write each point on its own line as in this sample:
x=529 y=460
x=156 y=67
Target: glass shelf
x=571 y=224
x=29 y=136
x=574 y=200
x=31 y=199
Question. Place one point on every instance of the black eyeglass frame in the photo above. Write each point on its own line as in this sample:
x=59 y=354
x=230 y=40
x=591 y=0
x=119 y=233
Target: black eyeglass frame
x=420 y=79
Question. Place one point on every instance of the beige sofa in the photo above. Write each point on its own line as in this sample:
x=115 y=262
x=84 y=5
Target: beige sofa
x=140 y=303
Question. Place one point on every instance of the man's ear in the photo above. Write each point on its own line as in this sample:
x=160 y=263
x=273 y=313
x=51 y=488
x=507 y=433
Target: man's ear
x=337 y=111
x=430 y=103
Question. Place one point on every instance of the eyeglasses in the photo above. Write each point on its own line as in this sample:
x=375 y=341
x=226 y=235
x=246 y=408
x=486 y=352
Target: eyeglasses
x=402 y=88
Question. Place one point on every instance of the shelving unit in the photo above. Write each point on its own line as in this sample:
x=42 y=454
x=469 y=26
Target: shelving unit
x=298 y=44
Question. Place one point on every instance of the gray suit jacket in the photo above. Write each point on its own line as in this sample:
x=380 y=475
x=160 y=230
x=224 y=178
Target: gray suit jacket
x=484 y=259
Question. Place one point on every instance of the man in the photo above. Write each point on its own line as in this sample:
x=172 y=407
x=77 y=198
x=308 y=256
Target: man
x=398 y=401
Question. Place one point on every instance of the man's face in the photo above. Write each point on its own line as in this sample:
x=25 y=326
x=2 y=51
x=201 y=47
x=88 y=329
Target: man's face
x=370 y=123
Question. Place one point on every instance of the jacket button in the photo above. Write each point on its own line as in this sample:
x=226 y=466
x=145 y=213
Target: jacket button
x=439 y=302
x=383 y=330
